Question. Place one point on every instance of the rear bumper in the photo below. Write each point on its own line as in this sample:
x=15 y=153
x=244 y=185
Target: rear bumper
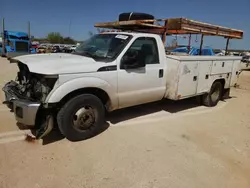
x=25 y=111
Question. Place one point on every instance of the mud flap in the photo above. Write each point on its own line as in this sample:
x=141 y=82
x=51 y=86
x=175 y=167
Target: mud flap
x=46 y=127
x=226 y=94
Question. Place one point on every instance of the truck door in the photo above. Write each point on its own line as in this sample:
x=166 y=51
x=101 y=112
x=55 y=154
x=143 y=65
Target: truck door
x=145 y=84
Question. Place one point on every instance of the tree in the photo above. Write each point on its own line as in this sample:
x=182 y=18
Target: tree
x=68 y=40
x=55 y=37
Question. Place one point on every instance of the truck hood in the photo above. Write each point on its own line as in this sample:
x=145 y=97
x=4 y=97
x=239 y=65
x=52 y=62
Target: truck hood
x=58 y=63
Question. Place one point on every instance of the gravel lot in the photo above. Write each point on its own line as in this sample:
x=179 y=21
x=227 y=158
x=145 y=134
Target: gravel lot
x=157 y=145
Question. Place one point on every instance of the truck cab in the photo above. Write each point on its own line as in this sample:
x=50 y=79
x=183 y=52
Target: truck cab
x=16 y=43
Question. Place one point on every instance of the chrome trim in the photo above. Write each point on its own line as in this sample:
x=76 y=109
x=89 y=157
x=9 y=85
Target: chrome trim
x=29 y=111
x=25 y=111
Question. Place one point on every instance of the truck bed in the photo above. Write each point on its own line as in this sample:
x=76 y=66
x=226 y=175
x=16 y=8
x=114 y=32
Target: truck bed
x=188 y=76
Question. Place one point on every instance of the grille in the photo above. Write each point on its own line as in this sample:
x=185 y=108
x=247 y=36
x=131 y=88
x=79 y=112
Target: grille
x=13 y=89
x=22 y=46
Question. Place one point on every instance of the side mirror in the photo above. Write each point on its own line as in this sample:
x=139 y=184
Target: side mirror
x=131 y=62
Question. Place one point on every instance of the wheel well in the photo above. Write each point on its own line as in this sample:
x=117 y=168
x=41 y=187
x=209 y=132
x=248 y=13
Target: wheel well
x=222 y=81
x=101 y=94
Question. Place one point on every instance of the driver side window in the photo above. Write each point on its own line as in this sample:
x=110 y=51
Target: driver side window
x=143 y=51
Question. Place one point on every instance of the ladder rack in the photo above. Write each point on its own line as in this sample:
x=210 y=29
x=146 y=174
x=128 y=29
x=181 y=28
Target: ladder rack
x=173 y=26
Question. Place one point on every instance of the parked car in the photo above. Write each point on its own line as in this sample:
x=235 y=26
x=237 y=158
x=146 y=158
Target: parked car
x=246 y=59
x=193 y=51
x=41 y=49
x=55 y=49
x=245 y=65
x=73 y=48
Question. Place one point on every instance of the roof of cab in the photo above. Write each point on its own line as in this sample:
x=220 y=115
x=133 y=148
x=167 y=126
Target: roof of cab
x=17 y=33
x=131 y=33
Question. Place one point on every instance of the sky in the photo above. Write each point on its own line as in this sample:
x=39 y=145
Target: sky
x=76 y=18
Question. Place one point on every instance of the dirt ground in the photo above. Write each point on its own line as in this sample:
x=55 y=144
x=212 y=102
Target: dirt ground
x=151 y=146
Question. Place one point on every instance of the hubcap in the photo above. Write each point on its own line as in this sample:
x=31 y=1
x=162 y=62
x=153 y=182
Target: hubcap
x=84 y=118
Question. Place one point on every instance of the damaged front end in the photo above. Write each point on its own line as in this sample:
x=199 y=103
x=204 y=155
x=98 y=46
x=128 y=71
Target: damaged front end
x=25 y=97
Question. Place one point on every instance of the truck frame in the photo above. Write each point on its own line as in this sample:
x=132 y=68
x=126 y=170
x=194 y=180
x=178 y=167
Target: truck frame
x=115 y=70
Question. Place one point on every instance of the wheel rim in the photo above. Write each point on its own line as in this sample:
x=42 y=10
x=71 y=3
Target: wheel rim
x=84 y=118
x=215 y=94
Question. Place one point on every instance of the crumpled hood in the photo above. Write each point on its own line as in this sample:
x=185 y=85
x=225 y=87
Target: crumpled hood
x=59 y=63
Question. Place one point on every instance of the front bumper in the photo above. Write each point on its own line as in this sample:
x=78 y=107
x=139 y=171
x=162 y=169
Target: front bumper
x=25 y=110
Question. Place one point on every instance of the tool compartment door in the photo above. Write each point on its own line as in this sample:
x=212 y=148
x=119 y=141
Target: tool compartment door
x=188 y=79
x=204 y=84
x=221 y=66
x=235 y=71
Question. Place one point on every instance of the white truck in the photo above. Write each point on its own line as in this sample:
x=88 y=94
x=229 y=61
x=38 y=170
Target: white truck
x=110 y=71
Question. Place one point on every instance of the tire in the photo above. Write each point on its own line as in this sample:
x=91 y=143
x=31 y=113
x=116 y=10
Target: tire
x=214 y=96
x=135 y=16
x=83 y=108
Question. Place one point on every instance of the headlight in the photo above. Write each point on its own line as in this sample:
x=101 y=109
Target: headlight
x=41 y=86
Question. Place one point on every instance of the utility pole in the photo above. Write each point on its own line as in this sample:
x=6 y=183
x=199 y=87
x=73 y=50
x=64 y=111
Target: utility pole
x=29 y=34
x=3 y=39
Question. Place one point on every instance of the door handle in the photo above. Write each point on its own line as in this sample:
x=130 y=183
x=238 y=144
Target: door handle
x=194 y=78
x=161 y=72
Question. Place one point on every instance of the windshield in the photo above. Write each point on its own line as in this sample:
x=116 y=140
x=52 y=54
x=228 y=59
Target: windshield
x=103 y=46
x=19 y=38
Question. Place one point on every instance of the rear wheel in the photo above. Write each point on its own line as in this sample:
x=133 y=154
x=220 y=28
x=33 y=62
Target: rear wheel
x=81 y=118
x=212 y=98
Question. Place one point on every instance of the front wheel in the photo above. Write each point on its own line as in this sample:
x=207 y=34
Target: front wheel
x=212 y=98
x=81 y=117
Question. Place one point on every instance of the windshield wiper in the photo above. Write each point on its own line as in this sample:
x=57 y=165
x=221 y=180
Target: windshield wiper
x=94 y=56
x=89 y=54
x=85 y=53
